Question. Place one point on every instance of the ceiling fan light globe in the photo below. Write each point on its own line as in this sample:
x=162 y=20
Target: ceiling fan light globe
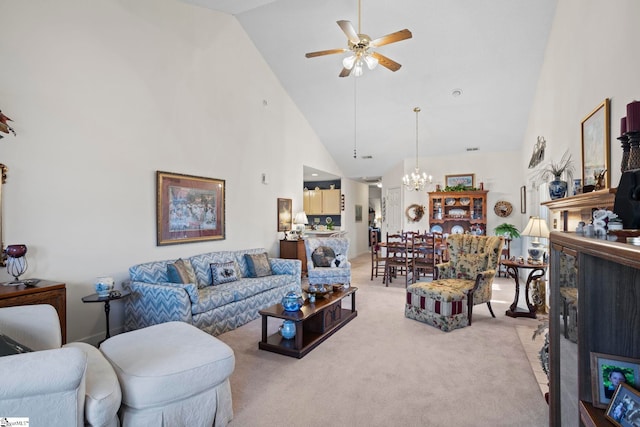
x=371 y=61
x=357 y=69
x=349 y=61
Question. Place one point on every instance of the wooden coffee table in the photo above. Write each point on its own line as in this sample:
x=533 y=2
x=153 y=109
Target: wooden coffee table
x=315 y=322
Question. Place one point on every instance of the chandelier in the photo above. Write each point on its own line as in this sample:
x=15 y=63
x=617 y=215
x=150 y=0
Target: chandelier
x=416 y=180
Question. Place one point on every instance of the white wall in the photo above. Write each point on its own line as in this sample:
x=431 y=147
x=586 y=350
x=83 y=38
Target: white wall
x=105 y=93
x=356 y=193
x=592 y=54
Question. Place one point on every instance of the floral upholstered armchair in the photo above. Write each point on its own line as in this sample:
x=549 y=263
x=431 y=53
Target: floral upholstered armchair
x=327 y=261
x=473 y=262
x=459 y=284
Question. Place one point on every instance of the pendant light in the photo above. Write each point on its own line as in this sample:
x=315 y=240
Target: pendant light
x=416 y=181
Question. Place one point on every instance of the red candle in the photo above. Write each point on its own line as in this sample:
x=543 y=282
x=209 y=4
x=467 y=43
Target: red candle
x=633 y=116
x=623 y=126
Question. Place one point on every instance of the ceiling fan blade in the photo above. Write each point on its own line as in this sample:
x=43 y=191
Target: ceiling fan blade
x=386 y=62
x=345 y=72
x=324 y=52
x=392 y=38
x=349 y=31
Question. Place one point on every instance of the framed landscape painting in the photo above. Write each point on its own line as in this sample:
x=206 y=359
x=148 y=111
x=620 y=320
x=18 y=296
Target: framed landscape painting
x=596 y=136
x=189 y=208
x=468 y=180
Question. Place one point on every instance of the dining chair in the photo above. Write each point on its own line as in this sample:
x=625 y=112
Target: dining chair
x=377 y=262
x=399 y=259
x=440 y=248
x=423 y=255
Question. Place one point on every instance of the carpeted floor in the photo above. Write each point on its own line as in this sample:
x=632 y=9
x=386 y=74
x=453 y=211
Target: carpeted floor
x=383 y=369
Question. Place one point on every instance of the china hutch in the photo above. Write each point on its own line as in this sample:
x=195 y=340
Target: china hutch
x=454 y=212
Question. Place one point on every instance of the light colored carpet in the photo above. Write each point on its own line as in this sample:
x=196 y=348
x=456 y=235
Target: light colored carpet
x=383 y=369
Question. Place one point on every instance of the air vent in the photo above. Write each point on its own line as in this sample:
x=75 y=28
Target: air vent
x=366 y=157
x=473 y=148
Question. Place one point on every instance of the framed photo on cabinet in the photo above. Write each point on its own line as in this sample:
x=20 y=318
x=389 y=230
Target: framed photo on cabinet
x=607 y=372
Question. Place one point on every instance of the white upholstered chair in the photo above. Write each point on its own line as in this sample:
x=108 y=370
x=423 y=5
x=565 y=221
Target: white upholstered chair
x=169 y=374
x=70 y=385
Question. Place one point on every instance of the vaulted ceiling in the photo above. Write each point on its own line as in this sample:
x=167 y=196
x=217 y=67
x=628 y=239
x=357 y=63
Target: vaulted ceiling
x=472 y=66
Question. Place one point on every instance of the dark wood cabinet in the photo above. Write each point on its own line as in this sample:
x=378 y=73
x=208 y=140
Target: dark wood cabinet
x=294 y=249
x=608 y=282
x=44 y=292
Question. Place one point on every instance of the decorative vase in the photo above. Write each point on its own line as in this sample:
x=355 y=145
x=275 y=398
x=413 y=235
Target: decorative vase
x=292 y=301
x=557 y=188
x=288 y=329
x=104 y=285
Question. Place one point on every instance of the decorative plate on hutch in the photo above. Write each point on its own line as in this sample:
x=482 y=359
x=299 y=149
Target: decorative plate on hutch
x=436 y=229
x=457 y=229
x=503 y=208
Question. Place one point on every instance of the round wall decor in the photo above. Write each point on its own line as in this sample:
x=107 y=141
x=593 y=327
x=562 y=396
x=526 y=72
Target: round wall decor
x=415 y=212
x=503 y=208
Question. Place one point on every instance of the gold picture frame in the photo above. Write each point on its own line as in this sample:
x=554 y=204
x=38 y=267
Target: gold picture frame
x=189 y=208
x=596 y=142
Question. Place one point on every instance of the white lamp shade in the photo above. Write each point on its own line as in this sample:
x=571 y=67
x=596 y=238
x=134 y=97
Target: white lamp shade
x=301 y=218
x=537 y=227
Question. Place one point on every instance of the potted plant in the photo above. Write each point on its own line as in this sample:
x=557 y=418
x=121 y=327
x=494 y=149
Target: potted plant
x=558 y=187
x=507 y=230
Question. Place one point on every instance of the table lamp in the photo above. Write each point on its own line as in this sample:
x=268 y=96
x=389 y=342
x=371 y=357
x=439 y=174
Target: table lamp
x=536 y=228
x=300 y=220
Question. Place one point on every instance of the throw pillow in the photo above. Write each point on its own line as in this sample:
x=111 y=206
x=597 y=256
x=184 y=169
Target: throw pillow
x=339 y=261
x=323 y=256
x=258 y=264
x=181 y=271
x=223 y=272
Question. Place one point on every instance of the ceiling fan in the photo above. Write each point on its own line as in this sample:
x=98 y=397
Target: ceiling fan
x=360 y=46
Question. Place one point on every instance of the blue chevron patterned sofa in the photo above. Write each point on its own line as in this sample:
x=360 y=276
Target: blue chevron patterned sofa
x=214 y=309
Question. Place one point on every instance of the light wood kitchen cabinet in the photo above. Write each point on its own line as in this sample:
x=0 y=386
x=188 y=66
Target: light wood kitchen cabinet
x=331 y=202
x=321 y=202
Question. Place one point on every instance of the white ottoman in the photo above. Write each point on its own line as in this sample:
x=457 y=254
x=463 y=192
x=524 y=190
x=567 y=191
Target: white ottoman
x=172 y=374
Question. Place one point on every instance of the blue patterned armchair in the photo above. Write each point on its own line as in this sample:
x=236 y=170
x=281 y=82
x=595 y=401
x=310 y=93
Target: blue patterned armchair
x=328 y=261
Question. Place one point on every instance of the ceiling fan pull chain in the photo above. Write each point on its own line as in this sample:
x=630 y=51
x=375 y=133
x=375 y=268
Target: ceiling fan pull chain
x=355 y=117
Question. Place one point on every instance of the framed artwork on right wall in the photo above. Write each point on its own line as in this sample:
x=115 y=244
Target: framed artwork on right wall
x=596 y=141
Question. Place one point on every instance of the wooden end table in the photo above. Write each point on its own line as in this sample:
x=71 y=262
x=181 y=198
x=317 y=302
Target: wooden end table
x=315 y=322
x=41 y=292
x=537 y=271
